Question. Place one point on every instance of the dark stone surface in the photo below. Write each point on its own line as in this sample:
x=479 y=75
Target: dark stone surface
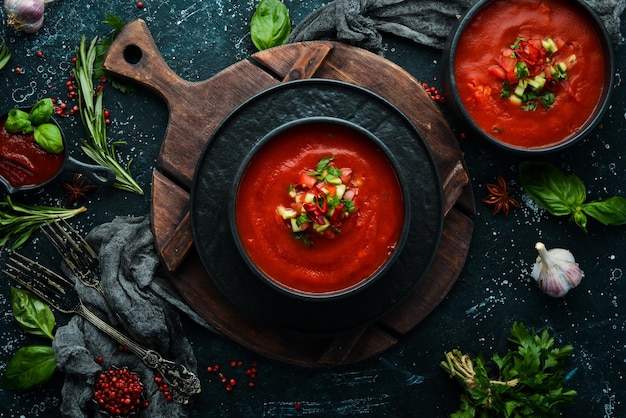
x=199 y=38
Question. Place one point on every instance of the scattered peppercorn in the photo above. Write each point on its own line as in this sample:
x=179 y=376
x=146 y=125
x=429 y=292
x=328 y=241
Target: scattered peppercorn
x=118 y=392
x=230 y=382
x=434 y=93
x=163 y=387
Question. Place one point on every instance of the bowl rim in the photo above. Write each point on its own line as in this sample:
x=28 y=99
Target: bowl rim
x=362 y=284
x=604 y=102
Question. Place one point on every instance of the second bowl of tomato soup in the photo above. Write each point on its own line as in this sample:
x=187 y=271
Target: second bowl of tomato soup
x=318 y=209
x=529 y=75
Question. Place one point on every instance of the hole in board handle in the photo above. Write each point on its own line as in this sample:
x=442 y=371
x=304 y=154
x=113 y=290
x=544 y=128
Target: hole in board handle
x=132 y=54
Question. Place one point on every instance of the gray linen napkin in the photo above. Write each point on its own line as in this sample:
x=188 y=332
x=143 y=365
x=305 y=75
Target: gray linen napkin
x=426 y=22
x=146 y=303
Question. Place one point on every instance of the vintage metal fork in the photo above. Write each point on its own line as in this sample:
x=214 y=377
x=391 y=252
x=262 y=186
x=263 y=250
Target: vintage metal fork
x=59 y=293
x=76 y=252
x=80 y=257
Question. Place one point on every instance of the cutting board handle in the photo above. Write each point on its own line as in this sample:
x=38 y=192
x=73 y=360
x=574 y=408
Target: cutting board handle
x=135 y=56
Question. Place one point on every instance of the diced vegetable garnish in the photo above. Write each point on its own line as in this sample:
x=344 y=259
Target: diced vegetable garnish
x=530 y=75
x=323 y=198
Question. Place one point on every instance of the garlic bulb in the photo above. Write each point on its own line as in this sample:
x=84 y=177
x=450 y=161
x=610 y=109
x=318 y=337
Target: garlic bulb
x=25 y=15
x=556 y=271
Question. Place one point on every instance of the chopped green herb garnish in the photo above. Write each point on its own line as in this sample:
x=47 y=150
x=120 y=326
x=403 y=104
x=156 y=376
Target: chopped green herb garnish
x=548 y=99
x=505 y=93
x=521 y=70
x=530 y=80
x=322 y=200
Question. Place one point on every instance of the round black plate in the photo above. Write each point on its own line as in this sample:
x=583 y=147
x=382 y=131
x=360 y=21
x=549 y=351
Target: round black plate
x=228 y=147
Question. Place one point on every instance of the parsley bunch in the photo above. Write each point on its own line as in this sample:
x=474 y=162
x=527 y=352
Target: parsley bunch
x=529 y=383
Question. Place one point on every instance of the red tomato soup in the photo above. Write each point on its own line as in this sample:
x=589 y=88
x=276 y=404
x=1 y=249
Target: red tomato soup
x=23 y=162
x=483 y=63
x=368 y=236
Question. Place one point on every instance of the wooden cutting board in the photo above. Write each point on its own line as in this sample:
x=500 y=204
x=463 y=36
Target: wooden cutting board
x=196 y=109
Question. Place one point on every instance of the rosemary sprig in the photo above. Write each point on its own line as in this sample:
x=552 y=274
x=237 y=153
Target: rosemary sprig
x=22 y=220
x=5 y=55
x=91 y=112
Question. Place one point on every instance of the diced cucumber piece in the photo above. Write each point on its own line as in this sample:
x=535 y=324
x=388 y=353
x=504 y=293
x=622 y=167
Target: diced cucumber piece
x=515 y=100
x=309 y=197
x=332 y=179
x=537 y=82
x=549 y=45
x=295 y=227
x=562 y=67
x=521 y=88
x=321 y=228
x=341 y=190
x=287 y=213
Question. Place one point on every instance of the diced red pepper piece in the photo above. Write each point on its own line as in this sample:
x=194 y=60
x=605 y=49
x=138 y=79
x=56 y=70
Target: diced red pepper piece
x=314 y=213
x=307 y=180
x=337 y=216
x=498 y=72
x=320 y=199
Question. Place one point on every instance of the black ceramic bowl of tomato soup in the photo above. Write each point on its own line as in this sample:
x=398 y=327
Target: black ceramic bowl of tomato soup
x=343 y=255
x=530 y=76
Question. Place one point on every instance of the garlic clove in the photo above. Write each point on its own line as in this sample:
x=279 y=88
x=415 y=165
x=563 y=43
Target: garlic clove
x=24 y=15
x=556 y=271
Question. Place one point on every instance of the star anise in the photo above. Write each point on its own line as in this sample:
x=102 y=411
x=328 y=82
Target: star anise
x=77 y=189
x=499 y=196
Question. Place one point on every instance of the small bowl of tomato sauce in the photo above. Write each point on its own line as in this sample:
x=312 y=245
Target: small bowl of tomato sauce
x=32 y=156
x=318 y=209
x=529 y=76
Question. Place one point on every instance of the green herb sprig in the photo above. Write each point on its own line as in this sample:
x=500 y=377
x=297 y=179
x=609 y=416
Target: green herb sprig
x=270 y=25
x=529 y=382
x=33 y=364
x=117 y=24
x=20 y=220
x=563 y=195
x=5 y=55
x=91 y=111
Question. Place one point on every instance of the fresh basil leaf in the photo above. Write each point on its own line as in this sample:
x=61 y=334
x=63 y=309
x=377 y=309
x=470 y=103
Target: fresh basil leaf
x=30 y=366
x=549 y=187
x=48 y=136
x=41 y=112
x=33 y=315
x=270 y=24
x=18 y=122
x=611 y=211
